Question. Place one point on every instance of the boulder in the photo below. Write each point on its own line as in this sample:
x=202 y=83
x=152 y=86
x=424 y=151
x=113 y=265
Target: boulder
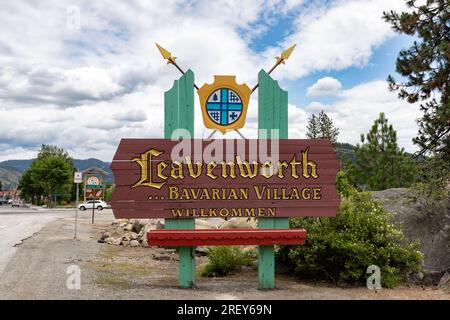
x=109 y=240
x=431 y=229
x=211 y=223
x=238 y=223
x=105 y=235
x=139 y=224
x=134 y=243
x=133 y=236
x=159 y=225
x=445 y=279
x=201 y=251
x=128 y=227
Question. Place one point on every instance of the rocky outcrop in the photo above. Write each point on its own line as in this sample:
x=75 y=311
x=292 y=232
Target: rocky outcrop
x=432 y=229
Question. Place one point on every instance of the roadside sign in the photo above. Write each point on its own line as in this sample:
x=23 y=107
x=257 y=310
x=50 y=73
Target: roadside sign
x=94 y=186
x=77 y=177
x=94 y=193
x=93 y=181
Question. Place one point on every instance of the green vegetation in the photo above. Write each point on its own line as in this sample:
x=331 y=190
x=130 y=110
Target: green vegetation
x=109 y=192
x=339 y=249
x=49 y=175
x=379 y=162
x=432 y=190
x=321 y=127
x=426 y=68
x=225 y=259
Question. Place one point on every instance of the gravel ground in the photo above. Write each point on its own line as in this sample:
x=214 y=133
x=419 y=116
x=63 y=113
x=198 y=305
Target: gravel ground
x=38 y=270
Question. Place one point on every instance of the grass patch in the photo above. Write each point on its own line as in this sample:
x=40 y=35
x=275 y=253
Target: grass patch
x=127 y=268
x=113 y=281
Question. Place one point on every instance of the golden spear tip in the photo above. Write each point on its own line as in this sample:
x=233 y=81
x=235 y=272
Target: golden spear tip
x=285 y=54
x=165 y=53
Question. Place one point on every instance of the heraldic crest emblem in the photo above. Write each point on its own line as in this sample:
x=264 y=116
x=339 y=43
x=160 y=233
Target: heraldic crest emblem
x=224 y=103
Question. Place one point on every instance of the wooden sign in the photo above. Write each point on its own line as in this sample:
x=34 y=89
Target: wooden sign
x=224 y=178
x=92 y=193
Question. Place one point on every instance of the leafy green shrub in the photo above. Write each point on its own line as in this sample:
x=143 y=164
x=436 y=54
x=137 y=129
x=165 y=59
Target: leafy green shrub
x=339 y=249
x=223 y=260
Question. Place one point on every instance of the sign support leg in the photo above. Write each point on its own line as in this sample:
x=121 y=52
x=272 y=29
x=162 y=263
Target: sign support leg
x=266 y=254
x=186 y=255
x=179 y=113
x=272 y=115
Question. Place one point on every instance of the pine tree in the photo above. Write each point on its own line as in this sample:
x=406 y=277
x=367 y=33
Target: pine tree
x=426 y=68
x=322 y=127
x=380 y=163
x=313 y=127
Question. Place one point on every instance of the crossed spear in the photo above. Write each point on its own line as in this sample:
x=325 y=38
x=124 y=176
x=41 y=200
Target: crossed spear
x=280 y=60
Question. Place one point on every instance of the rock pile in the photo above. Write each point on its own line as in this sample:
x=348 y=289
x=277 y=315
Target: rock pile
x=129 y=233
x=133 y=233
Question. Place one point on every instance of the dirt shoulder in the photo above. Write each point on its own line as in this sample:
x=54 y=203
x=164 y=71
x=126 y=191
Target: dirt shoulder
x=39 y=271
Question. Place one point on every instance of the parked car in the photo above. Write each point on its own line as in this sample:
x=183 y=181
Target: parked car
x=15 y=203
x=10 y=201
x=99 y=205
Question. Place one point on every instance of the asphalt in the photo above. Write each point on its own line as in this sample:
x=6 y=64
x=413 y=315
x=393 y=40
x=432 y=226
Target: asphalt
x=17 y=224
x=41 y=266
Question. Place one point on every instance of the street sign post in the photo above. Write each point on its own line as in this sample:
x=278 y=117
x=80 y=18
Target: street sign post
x=77 y=178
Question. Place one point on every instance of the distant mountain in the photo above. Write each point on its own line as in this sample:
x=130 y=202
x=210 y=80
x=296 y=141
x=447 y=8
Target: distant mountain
x=345 y=151
x=9 y=177
x=12 y=170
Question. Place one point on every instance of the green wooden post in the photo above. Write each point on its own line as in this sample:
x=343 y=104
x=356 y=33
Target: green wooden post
x=179 y=114
x=272 y=114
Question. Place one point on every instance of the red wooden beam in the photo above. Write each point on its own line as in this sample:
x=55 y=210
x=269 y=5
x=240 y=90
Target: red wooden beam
x=221 y=237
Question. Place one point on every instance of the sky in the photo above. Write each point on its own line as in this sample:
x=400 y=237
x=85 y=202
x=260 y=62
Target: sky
x=84 y=74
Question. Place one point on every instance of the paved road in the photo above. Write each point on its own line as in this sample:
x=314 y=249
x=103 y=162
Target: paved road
x=17 y=224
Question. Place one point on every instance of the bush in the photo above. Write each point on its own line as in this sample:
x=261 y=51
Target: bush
x=339 y=249
x=223 y=260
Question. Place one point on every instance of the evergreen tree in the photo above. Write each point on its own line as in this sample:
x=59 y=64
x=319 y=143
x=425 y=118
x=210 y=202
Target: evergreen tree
x=380 y=163
x=0 y=185
x=426 y=68
x=312 y=127
x=322 y=127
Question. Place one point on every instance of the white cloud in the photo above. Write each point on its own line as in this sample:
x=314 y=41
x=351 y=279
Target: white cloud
x=357 y=108
x=315 y=107
x=336 y=37
x=85 y=89
x=326 y=86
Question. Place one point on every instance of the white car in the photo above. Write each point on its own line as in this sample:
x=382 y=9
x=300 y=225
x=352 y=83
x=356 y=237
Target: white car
x=99 y=205
x=15 y=203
